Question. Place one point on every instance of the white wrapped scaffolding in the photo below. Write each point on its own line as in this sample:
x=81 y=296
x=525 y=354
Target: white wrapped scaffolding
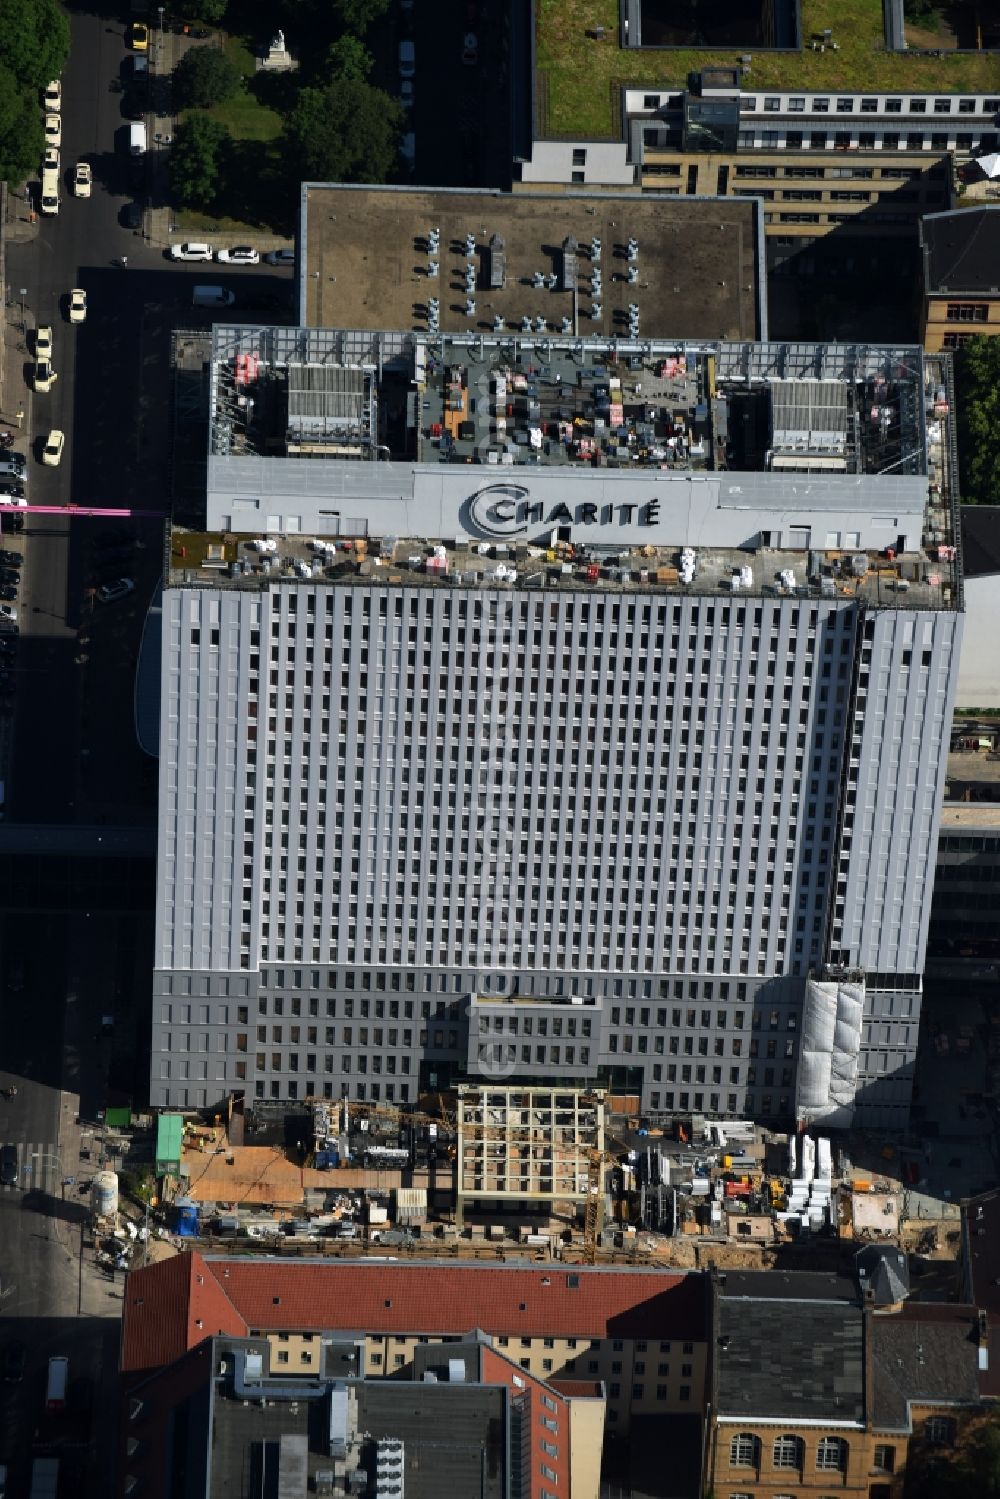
x=831 y=1043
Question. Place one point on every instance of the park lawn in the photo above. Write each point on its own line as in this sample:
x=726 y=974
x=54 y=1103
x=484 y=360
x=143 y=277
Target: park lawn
x=578 y=78
x=243 y=115
x=255 y=129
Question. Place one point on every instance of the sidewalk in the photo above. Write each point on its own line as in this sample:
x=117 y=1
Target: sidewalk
x=20 y=226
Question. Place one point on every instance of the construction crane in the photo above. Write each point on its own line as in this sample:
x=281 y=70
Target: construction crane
x=594 y=1205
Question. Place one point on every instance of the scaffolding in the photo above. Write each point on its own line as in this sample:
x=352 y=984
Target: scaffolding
x=526 y=1146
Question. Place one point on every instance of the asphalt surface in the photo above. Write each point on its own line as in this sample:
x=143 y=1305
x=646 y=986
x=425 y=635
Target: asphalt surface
x=75 y=760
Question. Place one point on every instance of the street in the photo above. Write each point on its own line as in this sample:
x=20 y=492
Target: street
x=76 y=928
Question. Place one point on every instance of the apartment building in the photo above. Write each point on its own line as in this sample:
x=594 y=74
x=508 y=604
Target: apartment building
x=640 y=1335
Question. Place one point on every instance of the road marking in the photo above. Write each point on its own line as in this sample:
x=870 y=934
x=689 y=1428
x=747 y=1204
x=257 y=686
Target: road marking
x=38 y=1168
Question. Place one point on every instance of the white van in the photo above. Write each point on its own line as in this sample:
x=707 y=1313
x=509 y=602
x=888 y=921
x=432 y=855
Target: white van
x=50 y=190
x=212 y=296
x=137 y=138
x=55 y=1387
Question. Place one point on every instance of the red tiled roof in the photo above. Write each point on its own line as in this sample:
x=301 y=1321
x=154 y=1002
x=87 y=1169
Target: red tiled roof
x=171 y=1306
x=449 y=1299
x=588 y=1389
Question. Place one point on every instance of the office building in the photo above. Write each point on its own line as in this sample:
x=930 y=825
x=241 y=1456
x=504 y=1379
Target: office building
x=596 y=736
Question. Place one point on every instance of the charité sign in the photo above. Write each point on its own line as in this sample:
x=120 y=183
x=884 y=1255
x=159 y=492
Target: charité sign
x=501 y=511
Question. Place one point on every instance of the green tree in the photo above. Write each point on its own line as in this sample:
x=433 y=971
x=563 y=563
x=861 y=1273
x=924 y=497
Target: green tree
x=21 y=138
x=212 y=11
x=349 y=58
x=345 y=132
x=358 y=15
x=34 y=40
x=197 y=159
x=977 y=397
x=203 y=77
x=971 y=1468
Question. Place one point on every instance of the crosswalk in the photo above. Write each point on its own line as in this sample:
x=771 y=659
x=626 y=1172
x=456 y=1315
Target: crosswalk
x=38 y=1168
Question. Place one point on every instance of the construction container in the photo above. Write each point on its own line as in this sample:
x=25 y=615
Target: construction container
x=411 y=1204
x=185 y=1218
x=169 y=1137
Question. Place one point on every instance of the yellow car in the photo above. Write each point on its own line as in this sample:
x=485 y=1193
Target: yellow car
x=45 y=375
x=138 y=37
x=53 y=449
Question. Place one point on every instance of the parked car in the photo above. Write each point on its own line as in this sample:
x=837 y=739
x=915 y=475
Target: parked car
x=8 y=592
x=8 y=614
x=50 y=161
x=190 y=250
x=53 y=449
x=238 y=255
x=53 y=130
x=43 y=342
x=280 y=257
x=138 y=37
x=407 y=58
x=406 y=93
x=470 y=50
x=52 y=97
x=45 y=376
x=11 y=559
x=78 y=305
x=109 y=593
x=82 y=179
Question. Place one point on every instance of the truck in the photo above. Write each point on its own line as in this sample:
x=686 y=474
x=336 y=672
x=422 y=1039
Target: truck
x=44 y=1478
x=50 y=190
x=55 y=1387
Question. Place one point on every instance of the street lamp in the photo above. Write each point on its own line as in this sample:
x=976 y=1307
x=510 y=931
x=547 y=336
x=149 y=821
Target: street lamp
x=161 y=9
x=22 y=294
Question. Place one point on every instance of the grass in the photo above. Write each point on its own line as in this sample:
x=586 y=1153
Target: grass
x=250 y=198
x=579 y=78
x=243 y=114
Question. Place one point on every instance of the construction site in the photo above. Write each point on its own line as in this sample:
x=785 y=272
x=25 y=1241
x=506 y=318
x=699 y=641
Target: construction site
x=549 y=1173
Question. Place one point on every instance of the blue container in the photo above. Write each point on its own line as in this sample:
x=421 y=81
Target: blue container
x=186 y=1222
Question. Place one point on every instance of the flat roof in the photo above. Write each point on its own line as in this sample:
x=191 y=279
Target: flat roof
x=470 y=1458
x=968 y=816
x=365 y=260
x=578 y=77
